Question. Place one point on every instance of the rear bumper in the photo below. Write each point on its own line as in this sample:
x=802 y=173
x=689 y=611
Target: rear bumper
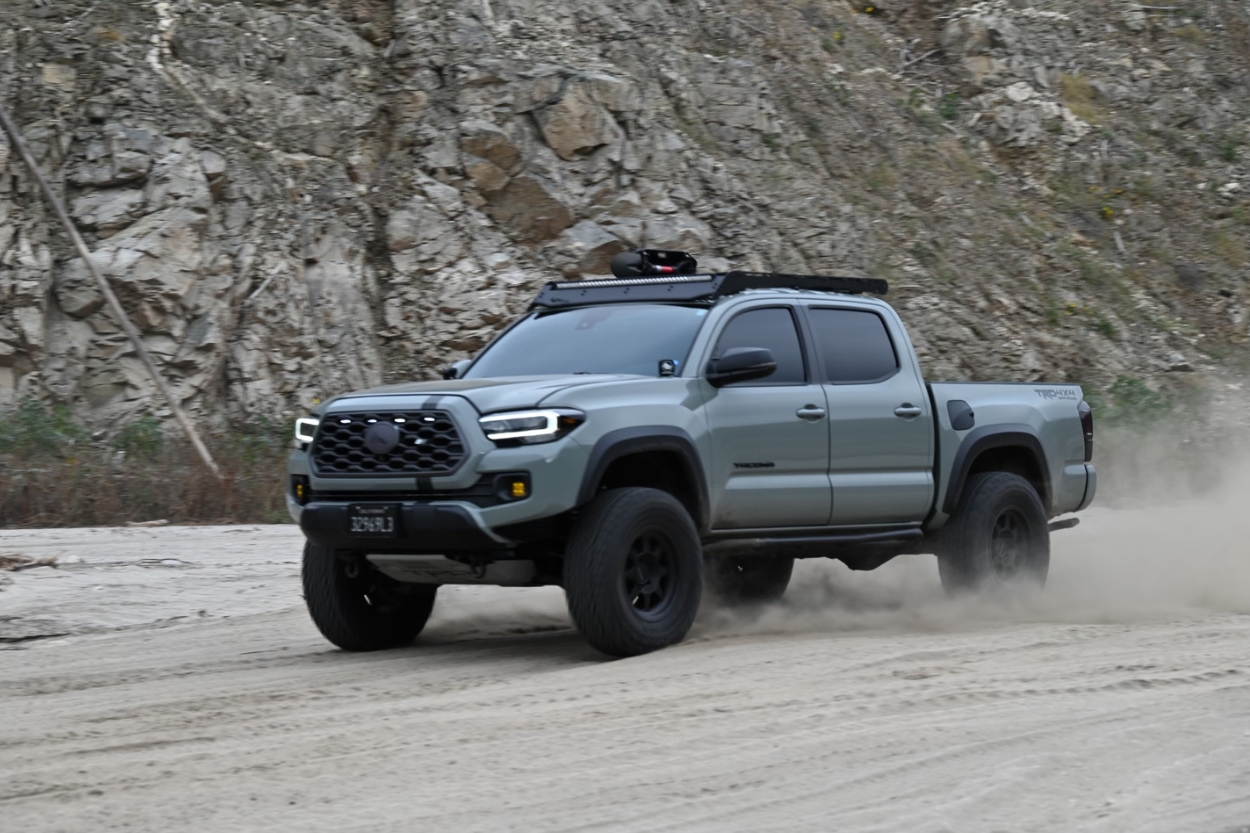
x=424 y=528
x=1091 y=487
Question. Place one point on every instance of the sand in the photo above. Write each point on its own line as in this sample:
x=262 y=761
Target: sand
x=169 y=679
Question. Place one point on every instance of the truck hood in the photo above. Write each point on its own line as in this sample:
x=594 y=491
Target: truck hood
x=491 y=395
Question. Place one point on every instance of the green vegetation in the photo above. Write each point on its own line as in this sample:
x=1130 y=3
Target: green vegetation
x=1104 y=326
x=1129 y=402
x=881 y=178
x=948 y=106
x=55 y=472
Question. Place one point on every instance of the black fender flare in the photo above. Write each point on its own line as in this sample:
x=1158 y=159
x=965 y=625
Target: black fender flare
x=979 y=440
x=623 y=442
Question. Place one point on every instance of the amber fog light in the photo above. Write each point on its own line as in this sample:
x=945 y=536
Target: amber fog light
x=512 y=487
x=300 y=489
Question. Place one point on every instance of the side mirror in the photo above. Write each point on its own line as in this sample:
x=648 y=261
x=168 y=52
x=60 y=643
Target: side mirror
x=741 y=364
x=456 y=369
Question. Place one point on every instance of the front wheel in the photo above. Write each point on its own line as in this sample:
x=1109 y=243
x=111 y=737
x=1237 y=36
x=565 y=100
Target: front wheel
x=633 y=572
x=998 y=539
x=358 y=608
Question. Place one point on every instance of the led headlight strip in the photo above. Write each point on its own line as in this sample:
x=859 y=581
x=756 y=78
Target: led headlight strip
x=531 y=426
x=306 y=429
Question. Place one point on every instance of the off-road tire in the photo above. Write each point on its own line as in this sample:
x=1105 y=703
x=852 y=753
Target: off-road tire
x=365 y=612
x=998 y=539
x=633 y=572
x=747 y=580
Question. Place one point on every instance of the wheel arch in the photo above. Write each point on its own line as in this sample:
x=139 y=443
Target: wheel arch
x=1010 y=448
x=655 y=456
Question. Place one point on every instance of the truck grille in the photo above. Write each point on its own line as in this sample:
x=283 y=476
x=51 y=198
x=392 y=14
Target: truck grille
x=429 y=444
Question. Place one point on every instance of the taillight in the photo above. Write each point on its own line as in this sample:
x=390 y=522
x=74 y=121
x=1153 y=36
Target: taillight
x=1087 y=428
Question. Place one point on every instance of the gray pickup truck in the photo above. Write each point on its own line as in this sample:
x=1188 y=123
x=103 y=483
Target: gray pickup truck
x=636 y=439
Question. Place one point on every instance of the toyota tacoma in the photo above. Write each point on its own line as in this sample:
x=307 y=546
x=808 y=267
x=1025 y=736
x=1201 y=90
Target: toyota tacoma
x=637 y=439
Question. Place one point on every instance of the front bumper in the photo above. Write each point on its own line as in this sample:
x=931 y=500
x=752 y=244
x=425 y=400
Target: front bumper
x=424 y=528
x=441 y=514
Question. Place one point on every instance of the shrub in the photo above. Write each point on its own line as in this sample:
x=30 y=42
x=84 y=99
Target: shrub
x=53 y=473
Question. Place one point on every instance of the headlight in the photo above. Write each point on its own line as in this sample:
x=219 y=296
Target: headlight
x=531 y=426
x=306 y=429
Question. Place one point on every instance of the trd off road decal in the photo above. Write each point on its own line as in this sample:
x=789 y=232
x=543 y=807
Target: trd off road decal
x=1057 y=393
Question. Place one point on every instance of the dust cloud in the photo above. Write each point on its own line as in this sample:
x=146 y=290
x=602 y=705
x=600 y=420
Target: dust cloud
x=1162 y=559
x=1120 y=565
x=1172 y=541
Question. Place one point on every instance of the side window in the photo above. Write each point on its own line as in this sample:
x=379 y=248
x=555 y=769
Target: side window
x=772 y=328
x=854 y=345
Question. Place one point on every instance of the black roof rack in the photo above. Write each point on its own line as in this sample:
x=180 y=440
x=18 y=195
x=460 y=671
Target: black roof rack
x=690 y=288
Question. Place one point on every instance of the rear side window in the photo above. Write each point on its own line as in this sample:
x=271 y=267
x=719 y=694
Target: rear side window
x=773 y=329
x=854 y=345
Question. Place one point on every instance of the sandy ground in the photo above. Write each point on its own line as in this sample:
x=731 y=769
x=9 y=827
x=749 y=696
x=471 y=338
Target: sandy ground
x=169 y=679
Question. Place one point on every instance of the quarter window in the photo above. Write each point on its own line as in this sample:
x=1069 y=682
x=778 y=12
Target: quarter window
x=773 y=329
x=854 y=346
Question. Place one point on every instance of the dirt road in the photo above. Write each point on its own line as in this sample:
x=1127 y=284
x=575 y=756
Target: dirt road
x=168 y=679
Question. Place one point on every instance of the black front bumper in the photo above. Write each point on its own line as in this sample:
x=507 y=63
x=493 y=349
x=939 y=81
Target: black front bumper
x=423 y=529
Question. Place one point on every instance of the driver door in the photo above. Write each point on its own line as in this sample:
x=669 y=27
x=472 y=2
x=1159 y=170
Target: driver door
x=769 y=437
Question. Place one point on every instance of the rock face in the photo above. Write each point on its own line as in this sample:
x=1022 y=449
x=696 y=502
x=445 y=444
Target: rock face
x=293 y=198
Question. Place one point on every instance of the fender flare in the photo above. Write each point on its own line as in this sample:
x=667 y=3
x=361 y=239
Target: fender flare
x=623 y=442
x=979 y=440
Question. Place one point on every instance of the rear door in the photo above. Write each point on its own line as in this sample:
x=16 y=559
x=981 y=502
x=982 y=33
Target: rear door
x=769 y=437
x=880 y=421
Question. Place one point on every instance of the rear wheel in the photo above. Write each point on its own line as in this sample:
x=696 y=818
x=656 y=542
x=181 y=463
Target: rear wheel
x=998 y=539
x=633 y=572
x=745 y=580
x=358 y=608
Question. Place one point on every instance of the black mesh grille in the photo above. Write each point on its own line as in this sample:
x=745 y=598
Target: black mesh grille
x=429 y=444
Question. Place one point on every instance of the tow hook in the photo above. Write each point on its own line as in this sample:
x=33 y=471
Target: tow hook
x=351 y=566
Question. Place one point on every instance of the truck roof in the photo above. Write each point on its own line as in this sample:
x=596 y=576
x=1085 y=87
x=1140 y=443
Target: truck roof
x=707 y=289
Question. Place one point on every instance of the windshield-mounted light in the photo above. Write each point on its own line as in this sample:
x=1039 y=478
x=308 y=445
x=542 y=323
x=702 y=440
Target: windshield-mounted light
x=306 y=429
x=527 y=427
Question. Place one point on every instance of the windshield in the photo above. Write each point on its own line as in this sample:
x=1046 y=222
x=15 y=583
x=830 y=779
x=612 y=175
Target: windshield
x=621 y=338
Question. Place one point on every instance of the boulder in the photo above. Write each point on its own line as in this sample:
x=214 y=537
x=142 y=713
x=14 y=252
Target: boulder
x=530 y=207
x=592 y=247
x=575 y=124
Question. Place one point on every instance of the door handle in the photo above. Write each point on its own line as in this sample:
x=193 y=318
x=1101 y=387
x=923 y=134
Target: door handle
x=908 y=410
x=810 y=413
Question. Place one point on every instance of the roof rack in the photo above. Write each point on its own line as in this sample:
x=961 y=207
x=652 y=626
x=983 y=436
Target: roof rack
x=694 y=288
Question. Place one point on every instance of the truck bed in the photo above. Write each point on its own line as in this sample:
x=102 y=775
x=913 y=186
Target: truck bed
x=972 y=418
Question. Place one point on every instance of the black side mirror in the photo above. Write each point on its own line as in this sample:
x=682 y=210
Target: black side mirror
x=456 y=369
x=741 y=364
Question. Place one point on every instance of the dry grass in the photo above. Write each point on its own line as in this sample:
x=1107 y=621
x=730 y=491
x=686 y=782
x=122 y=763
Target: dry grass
x=53 y=474
x=106 y=35
x=100 y=493
x=1191 y=34
x=1081 y=98
x=1230 y=247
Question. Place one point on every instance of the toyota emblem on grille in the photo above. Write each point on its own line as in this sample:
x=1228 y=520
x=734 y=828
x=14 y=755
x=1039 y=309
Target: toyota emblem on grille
x=382 y=437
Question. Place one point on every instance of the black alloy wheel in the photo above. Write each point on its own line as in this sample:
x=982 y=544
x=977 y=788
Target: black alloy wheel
x=998 y=540
x=648 y=575
x=359 y=608
x=633 y=571
x=1009 y=545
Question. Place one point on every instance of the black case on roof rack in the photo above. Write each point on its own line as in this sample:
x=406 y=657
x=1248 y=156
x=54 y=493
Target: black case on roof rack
x=694 y=288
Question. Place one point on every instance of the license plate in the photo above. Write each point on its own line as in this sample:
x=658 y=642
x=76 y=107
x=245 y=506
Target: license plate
x=373 y=521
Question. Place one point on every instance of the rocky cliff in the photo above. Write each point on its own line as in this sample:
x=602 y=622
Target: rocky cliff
x=296 y=198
